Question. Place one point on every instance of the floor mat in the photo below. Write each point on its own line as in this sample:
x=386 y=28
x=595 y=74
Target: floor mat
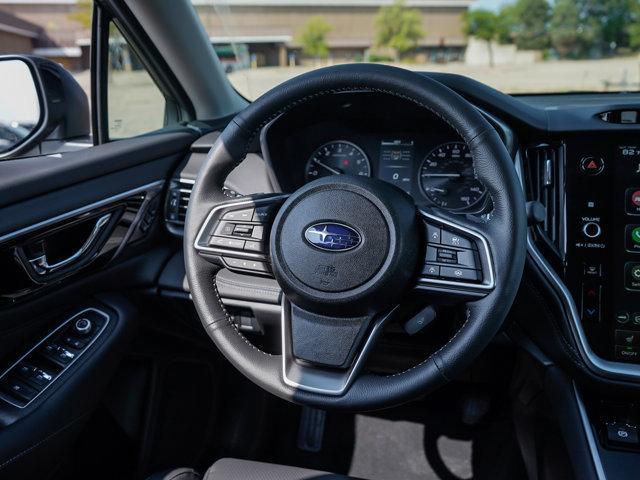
x=395 y=450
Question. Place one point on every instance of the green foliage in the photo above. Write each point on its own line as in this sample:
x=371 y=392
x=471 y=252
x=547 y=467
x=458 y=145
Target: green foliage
x=399 y=28
x=595 y=28
x=530 y=31
x=568 y=37
x=313 y=37
x=482 y=24
x=83 y=13
x=377 y=57
x=633 y=29
x=485 y=25
x=506 y=22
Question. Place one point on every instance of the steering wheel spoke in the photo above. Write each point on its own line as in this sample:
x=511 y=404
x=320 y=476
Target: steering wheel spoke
x=458 y=262
x=235 y=234
x=325 y=354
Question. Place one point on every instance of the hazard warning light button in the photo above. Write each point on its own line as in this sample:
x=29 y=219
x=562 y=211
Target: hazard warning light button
x=591 y=165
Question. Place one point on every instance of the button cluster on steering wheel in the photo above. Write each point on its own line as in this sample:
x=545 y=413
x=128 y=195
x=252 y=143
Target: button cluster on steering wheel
x=239 y=233
x=451 y=256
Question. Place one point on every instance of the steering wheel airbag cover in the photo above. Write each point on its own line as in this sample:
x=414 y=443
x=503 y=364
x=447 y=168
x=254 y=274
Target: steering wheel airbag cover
x=506 y=233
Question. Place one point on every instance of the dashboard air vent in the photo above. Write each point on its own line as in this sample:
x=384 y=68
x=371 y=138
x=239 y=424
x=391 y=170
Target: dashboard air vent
x=178 y=200
x=544 y=179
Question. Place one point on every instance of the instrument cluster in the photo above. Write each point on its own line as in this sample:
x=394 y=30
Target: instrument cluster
x=443 y=176
x=376 y=136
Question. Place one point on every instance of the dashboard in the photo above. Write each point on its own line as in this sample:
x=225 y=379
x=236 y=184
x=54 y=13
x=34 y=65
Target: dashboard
x=412 y=150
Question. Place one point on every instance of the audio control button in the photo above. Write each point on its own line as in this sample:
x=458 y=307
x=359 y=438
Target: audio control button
x=591 y=230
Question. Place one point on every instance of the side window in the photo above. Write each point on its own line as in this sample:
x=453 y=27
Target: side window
x=135 y=104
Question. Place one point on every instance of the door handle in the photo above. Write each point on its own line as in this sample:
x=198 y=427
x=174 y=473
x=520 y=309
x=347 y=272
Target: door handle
x=41 y=266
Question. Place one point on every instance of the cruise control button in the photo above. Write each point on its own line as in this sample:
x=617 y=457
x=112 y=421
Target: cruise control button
x=246 y=264
x=447 y=256
x=258 y=232
x=253 y=247
x=635 y=318
x=245 y=215
x=433 y=234
x=225 y=228
x=431 y=270
x=467 y=258
x=243 y=230
x=455 y=240
x=627 y=338
x=234 y=243
x=463 y=274
x=264 y=214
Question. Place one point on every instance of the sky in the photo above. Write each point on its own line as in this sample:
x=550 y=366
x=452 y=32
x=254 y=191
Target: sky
x=490 y=4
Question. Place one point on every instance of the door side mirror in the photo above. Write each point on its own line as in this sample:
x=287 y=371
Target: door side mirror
x=39 y=100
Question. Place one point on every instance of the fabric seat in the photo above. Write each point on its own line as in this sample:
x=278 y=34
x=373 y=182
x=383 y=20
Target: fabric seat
x=233 y=469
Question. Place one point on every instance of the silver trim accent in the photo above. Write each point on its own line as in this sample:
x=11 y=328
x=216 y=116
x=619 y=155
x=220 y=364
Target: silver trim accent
x=600 y=366
x=225 y=251
x=591 y=440
x=488 y=284
x=79 y=211
x=40 y=265
x=7 y=399
x=319 y=380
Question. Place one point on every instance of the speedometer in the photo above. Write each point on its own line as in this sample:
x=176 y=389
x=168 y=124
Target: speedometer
x=447 y=177
x=338 y=158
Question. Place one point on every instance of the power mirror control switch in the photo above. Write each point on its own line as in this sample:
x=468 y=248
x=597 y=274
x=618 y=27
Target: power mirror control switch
x=83 y=326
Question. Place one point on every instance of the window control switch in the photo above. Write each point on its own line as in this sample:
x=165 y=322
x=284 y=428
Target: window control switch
x=74 y=342
x=18 y=389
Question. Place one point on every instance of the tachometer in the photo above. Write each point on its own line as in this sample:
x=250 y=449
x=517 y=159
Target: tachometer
x=447 y=177
x=338 y=158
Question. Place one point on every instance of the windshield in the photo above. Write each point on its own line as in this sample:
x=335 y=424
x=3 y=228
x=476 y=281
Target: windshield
x=517 y=46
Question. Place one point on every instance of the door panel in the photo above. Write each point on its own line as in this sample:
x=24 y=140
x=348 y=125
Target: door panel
x=50 y=206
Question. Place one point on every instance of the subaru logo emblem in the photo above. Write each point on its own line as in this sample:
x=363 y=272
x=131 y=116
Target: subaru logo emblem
x=333 y=237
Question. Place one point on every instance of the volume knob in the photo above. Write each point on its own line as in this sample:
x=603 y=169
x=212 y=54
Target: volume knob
x=591 y=230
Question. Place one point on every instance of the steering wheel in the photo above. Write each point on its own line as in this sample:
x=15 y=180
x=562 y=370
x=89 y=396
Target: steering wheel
x=347 y=251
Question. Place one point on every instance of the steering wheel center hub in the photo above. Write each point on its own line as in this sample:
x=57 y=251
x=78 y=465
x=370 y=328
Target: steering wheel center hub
x=339 y=241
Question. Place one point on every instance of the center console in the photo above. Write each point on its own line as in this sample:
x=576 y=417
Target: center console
x=602 y=241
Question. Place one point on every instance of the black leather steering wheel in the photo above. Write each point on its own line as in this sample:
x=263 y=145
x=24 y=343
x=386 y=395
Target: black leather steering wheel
x=346 y=251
